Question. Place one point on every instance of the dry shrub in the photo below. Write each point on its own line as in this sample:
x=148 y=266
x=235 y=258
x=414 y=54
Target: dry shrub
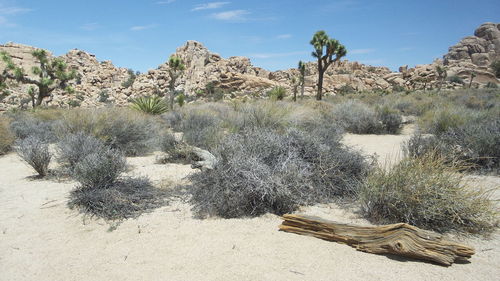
x=426 y=192
x=6 y=137
x=35 y=152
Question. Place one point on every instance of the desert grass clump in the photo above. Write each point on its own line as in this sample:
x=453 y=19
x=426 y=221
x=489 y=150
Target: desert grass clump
x=35 y=151
x=154 y=105
x=426 y=192
x=357 y=118
x=6 y=137
x=75 y=147
x=441 y=120
x=264 y=170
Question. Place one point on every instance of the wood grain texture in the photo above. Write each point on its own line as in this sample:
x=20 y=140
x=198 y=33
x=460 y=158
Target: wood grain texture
x=398 y=239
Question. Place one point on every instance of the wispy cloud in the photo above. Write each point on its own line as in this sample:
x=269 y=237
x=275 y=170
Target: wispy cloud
x=284 y=36
x=90 y=26
x=361 y=51
x=276 y=55
x=233 y=15
x=165 y=2
x=13 y=10
x=143 y=27
x=209 y=6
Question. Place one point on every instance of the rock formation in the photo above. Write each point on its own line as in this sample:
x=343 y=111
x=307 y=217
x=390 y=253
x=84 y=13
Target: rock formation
x=101 y=82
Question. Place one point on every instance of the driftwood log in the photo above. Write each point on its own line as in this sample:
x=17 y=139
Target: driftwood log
x=398 y=239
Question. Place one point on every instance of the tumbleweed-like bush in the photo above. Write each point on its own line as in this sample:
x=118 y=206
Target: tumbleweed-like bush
x=6 y=137
x=75 y=147
x=34 y=151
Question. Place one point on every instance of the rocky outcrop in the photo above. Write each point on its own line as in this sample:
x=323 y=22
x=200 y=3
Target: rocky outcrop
x=101 y=82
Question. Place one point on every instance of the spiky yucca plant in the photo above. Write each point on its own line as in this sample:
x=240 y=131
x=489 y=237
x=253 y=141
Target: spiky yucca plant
x=151 y=105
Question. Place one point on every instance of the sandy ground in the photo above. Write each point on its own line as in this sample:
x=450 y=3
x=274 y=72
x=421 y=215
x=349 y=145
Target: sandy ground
x=41 y=239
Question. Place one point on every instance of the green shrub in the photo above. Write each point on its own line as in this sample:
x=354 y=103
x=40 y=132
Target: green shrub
x=456 y=79
x=103 y=96
x=346 y=89
x=181 y=99
x=440 y=120
x=151 y=105
x=131 y=79
x=262 y=170
x=6 y=137
x=391 y=119
x=277 y=93
x=427 y=193
x=491 y=85
x=34 y=151
x=496 y=68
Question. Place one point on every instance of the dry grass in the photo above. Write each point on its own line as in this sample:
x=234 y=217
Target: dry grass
x=6 y=137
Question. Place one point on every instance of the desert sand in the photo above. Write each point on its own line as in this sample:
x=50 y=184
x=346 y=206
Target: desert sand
x=41 y=239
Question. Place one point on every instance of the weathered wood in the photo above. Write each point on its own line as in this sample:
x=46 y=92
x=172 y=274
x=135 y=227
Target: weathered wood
x=397 y=239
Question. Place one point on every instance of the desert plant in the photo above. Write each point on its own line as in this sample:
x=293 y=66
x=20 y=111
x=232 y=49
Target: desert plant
x=181 y=99
x=496 y=68
x=175 y=69
x=100 y=169
x=151 y=105
x=491 y=85
x=302 y=77
x=442 y=74
x=201 y=129
x=427 y=193
x=346 y=89
x=75 y=147
x=320 y=42
x=6 y=137
x=356 y=117
x=262 y=170
x=131 y=78
x=51 y=74
x=456 y=79
x=277 y=93
x=440 y=120
x=127 y=198
x=35 y=152
x=25 y=125
x=391 y=119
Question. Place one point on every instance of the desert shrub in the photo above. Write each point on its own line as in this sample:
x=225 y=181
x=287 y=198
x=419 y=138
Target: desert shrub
x=176 y=150
x=181 y=99
x=427 y=193
x=173 y=119
x=74 y=103
x=346 y=89
x=398 y=88
x=103 y=96
x=491 y=85
x=35 y=151
x=25 y=125
x=440 y=120
x=6 y=137
x=151 y=105
x=99 y=169
x=201 y=129
x=357 y=118
x=75 y=147
x=262 y=170
x=277 y=93
x=131 y=79
x=259 y=115
x=132 y=132
x=496 y=68
x=391 y=119
x=456 y=79
x=126 y=198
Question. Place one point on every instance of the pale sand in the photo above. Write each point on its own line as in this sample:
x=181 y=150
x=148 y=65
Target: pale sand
x=41 y=239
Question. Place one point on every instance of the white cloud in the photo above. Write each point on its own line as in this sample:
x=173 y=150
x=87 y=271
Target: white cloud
x=209 y=6
x=90 y=26
x=13 y=10
x=165 y=2
x=276 y=55
x=360 y=51
x=142 y=27
x=234 y=15
x=284 y=36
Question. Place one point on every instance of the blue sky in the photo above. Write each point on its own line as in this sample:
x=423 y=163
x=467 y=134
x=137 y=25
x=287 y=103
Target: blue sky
x=275 y=34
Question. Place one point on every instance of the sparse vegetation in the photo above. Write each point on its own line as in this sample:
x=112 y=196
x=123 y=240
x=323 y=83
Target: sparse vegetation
x=425 y=192
x=6 y=137
x=34 y=151
x=277 y=93
x=175 y=70
x=131 y=78
x=358 y=118
x=496 y=68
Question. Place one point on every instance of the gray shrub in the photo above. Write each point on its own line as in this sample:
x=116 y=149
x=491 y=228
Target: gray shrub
x=35 y=151
x=75 y=147
x=100 y=169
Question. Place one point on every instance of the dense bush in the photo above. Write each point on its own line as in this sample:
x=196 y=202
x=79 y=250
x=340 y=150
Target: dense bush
x=127 y=130
x=201 y=129
x=99 y=169
x=259 y=115
x=425 y=192
x=441 y=120
x=127 y=198
x=75 y=147
x=277 y=93
x=357 y=118
x=6 y=137
x=151 y=105
x=496 y=68
x=456 y=79
x=25 y=125
x=391 y=119
x=262 y=170
x=35 y=151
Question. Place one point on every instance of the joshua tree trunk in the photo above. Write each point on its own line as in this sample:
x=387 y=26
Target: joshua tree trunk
x=302 y=89
x=319 y=94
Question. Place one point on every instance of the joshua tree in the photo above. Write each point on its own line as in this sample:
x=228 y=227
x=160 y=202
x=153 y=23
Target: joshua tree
x=176 y=67
x=472 y=76
x=51 y=74
x=295 y=87
x=302 y=78
x=320 y=42
x=442 y=74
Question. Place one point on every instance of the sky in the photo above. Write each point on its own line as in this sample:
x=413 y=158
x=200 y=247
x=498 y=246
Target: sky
x=275 y=34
